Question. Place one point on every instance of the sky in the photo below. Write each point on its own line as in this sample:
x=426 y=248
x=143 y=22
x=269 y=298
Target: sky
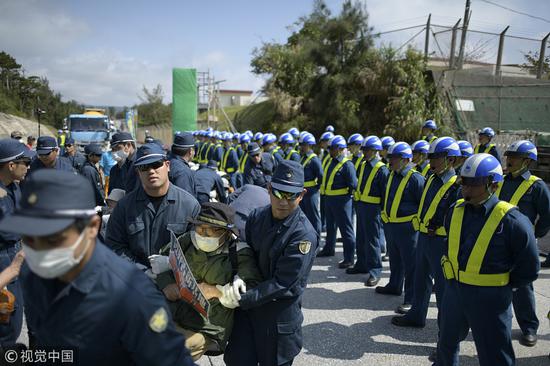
x=103 y=52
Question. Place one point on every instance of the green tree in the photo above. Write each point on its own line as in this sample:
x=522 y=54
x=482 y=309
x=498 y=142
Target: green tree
x=152 y=110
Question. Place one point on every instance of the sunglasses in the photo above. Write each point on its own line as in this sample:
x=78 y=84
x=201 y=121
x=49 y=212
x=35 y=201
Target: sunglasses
x=154 y=166
x=285 y=195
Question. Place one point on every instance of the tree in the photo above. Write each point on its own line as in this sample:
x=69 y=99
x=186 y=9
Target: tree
x=532 y=61
x=151 y=110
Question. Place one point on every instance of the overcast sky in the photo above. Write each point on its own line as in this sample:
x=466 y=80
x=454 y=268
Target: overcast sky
x=102 y=52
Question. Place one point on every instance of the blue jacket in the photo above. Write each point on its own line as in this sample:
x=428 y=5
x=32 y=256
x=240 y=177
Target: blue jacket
x=346 y=177
x=411 y=195
x=312 y=170
x=378 y=186
x=10 y=197
x=91 y=173
x=512 y=249
x=104 y=314
x=136 y=230
x=181 y=174
x=216 y=153
x=124 y=177
x=245 y=200
x=208 y=180
x=294 y=156
x=448 y=199
x=61 y=164
x=77 y=161
x=259 y=174
x=534 y=203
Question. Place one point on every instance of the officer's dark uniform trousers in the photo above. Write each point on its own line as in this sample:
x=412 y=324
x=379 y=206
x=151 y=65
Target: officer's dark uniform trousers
x=313 y=175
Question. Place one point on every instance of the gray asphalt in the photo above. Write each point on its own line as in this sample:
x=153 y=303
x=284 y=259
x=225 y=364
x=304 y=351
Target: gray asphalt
x=347 y=323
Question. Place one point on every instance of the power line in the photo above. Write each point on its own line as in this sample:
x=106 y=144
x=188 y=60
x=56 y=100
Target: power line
x=516 y=11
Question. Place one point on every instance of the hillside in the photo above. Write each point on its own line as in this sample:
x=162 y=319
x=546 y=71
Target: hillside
x=9 y=123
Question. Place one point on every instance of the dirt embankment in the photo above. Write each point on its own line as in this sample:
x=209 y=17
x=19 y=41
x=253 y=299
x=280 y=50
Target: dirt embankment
x=9 y=123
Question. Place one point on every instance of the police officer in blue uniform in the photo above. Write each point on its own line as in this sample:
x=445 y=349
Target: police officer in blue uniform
x=324 y=155
x=269 y=145
x=14 y=163
x=372 y=176
x=73 y=155
x=420 y=157
x=286 y=141
x=339 y=182
x=354 y=147
x=531 y=195
x=208 y=180
x=90 y=172
x=428 y=129
x=466 y=150
x=230 y=160
x=267 y=328
x=313 y=176
x=182 y=152
x=141 y=222
x=400 y=205
x=491 y=250
x=245 y=200
x=485 y=146
x=87 y=299
x=259 y=166
x=48 y=156
x=440 y=192
x=123 y=175
x=216 y=150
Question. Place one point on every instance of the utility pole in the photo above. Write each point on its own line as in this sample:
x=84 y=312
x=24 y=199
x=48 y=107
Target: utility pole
x=427 y=40
x=541 y=56
x=467 y=15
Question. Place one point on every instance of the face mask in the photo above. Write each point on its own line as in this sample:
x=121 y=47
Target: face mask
x=119 y=155
x=53 y=263
x=205 y=243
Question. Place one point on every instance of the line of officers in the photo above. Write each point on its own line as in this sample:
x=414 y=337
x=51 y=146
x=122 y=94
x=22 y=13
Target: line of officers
x=446 y=215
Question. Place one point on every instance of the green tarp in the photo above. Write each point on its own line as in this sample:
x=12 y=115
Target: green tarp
x=184 y=99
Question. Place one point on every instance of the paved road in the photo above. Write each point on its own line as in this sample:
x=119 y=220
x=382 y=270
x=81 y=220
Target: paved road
x=349 y=324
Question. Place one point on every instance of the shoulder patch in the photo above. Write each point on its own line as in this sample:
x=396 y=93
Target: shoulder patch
x=3 y=193
x=159 y=321
x=304 y=246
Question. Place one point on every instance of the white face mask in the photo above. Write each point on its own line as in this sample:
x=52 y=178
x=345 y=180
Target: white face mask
x=119 y=155
x=53 y=263
x=205 y=243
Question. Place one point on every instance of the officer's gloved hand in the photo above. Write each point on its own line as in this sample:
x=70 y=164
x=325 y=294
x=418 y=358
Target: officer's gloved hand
x=229 y=298
x=239 y=287
x=159 y=263
x=150 y=274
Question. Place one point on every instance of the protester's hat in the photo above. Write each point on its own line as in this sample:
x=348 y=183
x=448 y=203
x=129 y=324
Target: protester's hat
x=212 y=164
x=288 y=177
x=216 y=214
x=116 y=195
x=16 y=135
x=45 y=145
x=254 y=149
x=51 y=201
x=149 y=153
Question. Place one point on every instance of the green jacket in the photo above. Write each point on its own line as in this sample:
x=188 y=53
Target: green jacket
x=213 y=269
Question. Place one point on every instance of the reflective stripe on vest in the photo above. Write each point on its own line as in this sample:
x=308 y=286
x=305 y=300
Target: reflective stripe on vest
x=471 y=275
x=487 y=149
x=326 y=186
x=363 y=195
x=421 y=223
x=326 y=161
x=242 y=162
x=520 y=191
x=392 y=218
x=224 y=161
x=304 y=162
x=425 y=138
x=358 y=162
x=290 y=153
x=425 y=171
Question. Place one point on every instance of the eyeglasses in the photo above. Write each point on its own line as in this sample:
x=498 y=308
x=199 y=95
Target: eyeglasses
x=289 y=196
x=154 y=166
x=26 y=162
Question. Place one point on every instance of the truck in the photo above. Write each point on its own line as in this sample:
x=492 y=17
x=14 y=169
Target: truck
x=92 y=126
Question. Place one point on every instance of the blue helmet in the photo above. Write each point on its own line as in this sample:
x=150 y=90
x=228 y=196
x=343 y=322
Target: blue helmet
x=244 y=139
x=444 y=146
x=522 y=148
x=355 y=139
x=401 y=149
x=430 y=124
x=249 y=133
x=286 y=138
x=258 y=136
x=487 y=131
x=338 y=141
x=371 y=142
x=217 y=135
x=308 y=139
x=466 y=149
x=387 y=141
x=479 y=169
x=294 y=132
x=228 y=136
x=236 y=136
x=210 y=129
x=421 y=146
x=268 y=138
x=302 y=133
x=329 y=129
x=209 y=133
x=327 y=136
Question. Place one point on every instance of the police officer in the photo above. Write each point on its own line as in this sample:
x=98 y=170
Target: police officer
x=372 y=176
x=73 y=155
x=313 y=176
x=206 y=146
x=324 y=155
x=440 y=192
x=387 y=141
x=230 y=160
x=14 y=163
x=90 y=172
x=530 y=194
x=208 y=180
x=181 y=154
x=428 y=129
x=286 y=141
x=354 y=147
x=244 y=140
x=329 y=128
x=123 y=175
x=339 y=181
x=401 y=200
x=267 y=330
x=87 y=299
x=295 y=133
x=491 y=250
x=485 y=136
x=216 y=150
x=245 y=200
x=269 y=146
x=141 y=222
x=259 y=166
x=257 y=138
x=48 y=156
x=420 y=157
x=466 y=150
